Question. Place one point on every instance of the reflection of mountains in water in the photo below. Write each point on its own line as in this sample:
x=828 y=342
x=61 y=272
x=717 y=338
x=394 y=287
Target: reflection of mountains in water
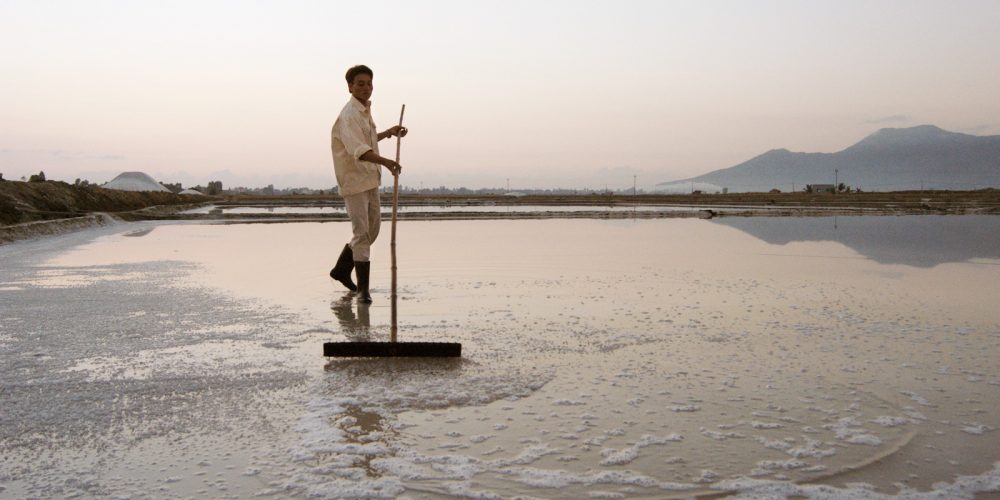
x=918 y=240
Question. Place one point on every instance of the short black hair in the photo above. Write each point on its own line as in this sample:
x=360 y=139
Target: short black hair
x=360 y=69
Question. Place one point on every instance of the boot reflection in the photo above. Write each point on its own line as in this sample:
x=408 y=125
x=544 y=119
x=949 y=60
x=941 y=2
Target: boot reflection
x=355 y=326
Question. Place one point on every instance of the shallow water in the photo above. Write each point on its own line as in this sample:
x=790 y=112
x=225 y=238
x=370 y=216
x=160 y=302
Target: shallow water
x=601 y=358
x=458 y=209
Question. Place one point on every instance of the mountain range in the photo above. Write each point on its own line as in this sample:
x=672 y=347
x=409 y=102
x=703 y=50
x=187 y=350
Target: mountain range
x=891 y=159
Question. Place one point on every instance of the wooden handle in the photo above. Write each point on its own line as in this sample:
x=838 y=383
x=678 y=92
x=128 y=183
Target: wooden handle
x=392 y=242
x=398 y=136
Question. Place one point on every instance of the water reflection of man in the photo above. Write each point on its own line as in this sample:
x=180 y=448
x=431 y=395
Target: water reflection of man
x=356 y=161
x=355 y=327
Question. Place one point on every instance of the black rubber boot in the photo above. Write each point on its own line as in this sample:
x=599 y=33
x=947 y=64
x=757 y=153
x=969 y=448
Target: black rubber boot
x=362 y=269
x=342 y=271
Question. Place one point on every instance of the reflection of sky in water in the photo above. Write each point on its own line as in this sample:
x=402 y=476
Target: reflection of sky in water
x=916 y=240
x=633 y=357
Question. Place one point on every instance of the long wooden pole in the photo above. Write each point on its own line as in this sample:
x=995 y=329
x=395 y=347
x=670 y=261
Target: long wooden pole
x=392 y=240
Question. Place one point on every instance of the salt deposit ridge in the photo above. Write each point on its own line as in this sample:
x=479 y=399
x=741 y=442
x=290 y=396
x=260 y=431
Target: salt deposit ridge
x=601 y=359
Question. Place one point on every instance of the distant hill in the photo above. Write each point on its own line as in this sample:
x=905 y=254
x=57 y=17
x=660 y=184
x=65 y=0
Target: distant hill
x=36 y=201
x=892 y=159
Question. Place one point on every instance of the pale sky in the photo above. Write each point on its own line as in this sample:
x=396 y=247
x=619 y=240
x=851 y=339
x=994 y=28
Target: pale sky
x=572 y=94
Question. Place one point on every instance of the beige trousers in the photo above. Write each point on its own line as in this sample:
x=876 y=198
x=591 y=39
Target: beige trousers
x=366 y=218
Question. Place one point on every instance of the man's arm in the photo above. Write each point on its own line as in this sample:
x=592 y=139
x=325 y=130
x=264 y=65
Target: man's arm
x=394 y=130
x=370 y=156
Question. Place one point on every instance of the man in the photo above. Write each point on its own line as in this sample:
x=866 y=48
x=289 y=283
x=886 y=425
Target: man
x=356 y=161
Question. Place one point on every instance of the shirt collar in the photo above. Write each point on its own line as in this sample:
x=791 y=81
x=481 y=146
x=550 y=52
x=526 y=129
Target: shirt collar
x=359 y=106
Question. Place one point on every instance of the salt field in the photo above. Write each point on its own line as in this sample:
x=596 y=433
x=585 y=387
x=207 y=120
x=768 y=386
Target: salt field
x=757 y=357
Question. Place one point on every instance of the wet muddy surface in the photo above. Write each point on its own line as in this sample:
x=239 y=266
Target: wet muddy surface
x=601 y=358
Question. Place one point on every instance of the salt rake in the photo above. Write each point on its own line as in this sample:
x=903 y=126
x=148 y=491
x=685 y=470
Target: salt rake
x=393 y=348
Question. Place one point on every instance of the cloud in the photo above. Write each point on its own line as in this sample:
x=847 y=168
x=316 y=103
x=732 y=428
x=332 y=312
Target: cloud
x=78 y=155
x=889 y=119
x=57 y=154
x=980 y=129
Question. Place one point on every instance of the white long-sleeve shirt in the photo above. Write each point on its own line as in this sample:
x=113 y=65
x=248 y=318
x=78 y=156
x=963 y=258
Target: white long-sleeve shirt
x=353 y=135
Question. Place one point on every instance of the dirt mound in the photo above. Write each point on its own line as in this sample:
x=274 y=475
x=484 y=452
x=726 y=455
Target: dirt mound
x=34 y=201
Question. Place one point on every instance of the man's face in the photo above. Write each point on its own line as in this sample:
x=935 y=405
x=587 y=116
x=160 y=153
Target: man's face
x=361 y=87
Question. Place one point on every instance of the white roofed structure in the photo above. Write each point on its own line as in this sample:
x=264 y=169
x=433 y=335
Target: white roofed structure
x=192 y=191
x=135 y=181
